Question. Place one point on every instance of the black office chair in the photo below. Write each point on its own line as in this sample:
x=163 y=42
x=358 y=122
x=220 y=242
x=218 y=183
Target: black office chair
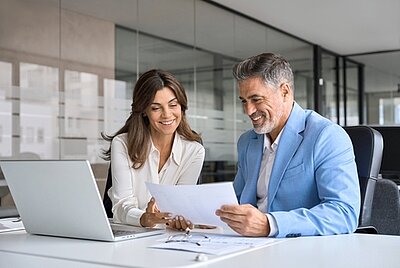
x=106 y=199
x=368 y=149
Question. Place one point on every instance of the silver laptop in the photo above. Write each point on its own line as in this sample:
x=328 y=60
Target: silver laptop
x=61 y=198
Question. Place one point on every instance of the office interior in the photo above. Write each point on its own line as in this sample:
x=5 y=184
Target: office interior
x=67 y=69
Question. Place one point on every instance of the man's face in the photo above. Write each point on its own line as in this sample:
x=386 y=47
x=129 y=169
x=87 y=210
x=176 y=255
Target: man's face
x=263 y=104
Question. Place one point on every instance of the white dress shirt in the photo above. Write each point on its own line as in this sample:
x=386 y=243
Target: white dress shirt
x=263 y=179
x=129 y=194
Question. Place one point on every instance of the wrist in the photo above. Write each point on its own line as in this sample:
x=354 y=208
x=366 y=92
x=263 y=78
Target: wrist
x=143 y=220
x=272 y=225
x=267 y=226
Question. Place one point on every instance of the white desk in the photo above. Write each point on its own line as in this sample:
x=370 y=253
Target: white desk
x=8 y=259
x=19 y=249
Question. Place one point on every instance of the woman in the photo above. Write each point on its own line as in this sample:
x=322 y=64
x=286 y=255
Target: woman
x=155 y=145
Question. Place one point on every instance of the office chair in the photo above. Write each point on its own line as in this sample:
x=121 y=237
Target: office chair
x=368 y=149
x=106 y=199
x=385 y=214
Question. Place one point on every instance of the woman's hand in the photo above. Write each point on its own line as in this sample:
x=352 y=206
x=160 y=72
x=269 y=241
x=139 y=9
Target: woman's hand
x=179 y=223
x=153 y=216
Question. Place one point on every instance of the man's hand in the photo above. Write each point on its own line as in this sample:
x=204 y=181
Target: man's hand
x=244 y=219
x=153 y=216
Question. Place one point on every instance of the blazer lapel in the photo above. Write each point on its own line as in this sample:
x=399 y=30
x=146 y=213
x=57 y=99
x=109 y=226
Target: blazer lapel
x=288 y=145
x=254 y=157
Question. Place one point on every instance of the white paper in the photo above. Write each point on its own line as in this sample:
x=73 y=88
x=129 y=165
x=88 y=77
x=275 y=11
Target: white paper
x=10 y=224
x=196 y=203
x=217 y=244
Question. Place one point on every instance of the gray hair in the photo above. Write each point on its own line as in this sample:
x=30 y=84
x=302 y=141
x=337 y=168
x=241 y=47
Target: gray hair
x=272 y=68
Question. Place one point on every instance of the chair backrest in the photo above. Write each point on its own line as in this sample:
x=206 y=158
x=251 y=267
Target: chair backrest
x=106 y=199
x=385 y=216
x=368 y=149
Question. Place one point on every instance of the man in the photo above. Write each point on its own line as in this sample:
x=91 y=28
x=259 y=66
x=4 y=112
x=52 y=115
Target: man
x=296 y=169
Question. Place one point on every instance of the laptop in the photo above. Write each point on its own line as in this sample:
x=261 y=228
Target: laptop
x=61 y=198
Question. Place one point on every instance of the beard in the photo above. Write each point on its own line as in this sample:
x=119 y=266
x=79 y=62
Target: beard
x=269 y=124
x=266 y=128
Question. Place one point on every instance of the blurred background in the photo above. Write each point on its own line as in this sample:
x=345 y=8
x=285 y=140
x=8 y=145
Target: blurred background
x=68 y=67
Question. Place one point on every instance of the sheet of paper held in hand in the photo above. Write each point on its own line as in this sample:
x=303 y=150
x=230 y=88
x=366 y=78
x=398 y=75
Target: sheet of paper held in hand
x=196 y=203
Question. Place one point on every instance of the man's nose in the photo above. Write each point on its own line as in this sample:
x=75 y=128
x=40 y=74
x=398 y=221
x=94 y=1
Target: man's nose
x=249 y=108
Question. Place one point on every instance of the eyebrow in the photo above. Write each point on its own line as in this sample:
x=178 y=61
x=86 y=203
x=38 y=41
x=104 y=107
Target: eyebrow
x=156 y=103
x=250 y=97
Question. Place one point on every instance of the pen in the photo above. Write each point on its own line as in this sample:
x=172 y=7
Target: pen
x=203 y=226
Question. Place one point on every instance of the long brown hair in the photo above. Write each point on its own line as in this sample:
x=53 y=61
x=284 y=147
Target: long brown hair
x=137 y=125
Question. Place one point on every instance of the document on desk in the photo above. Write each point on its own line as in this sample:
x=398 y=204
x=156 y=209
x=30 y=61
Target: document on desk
x=196 y=203
x=11 y=224
x=217 y=244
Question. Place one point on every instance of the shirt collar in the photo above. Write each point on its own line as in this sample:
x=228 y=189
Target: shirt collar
x=177 y=148
x=267 y=142
x=176 y=151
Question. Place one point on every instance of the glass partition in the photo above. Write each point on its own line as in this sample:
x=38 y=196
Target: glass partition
x=38 y=111
x=329 y=87
x=382 y=86
x=352 y=94
x=5 y=109
x=68 y=67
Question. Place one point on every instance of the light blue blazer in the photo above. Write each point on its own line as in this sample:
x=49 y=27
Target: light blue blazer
x=313 y=188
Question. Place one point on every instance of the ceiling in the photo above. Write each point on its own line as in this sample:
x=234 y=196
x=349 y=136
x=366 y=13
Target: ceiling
x=342 y=26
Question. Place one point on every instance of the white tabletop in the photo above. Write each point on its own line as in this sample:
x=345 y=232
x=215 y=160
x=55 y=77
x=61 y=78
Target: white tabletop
x=129 y=253
x=355 y=250
x=8 y=259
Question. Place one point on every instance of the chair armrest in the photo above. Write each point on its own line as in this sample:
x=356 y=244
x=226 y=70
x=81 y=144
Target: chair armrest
x=366 y=230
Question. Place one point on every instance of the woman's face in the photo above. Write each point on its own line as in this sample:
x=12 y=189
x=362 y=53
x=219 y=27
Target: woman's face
x=164 y=113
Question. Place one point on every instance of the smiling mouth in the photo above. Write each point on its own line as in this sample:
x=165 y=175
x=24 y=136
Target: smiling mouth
x=167 y=123
x=256 y=118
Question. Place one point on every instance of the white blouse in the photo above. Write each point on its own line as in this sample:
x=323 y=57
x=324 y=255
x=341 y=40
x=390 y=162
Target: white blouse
x=129 y=194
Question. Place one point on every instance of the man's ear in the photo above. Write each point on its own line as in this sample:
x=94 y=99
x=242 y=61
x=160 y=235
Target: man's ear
x=285 y=89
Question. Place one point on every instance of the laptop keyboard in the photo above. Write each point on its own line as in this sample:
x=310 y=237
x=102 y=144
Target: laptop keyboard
x=123 y=232
x=120 y=230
